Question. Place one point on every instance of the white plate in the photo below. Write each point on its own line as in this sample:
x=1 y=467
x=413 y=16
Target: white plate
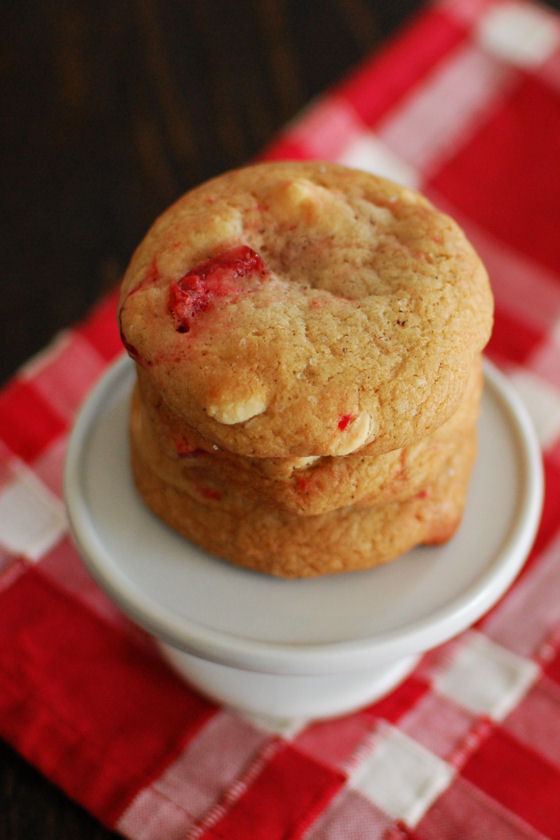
x=228 y=615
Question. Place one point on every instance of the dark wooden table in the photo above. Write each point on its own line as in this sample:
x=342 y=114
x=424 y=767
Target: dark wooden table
x=110 y=110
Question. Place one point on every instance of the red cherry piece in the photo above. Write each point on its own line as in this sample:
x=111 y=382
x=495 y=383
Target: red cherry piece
x=209 y=492
x=216 y=278
x=303 y=485
x=344 y=420
x=186 y=450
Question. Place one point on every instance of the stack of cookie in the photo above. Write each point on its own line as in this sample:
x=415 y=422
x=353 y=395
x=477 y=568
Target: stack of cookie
x=308 y=346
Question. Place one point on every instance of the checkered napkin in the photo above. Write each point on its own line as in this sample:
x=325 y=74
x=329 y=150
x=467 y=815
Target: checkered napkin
x=464 y=105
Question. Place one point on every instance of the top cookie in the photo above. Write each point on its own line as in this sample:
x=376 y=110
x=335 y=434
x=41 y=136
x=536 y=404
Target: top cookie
x=298 y=309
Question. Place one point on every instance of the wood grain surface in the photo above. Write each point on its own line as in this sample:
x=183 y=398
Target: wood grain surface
x=110 y=110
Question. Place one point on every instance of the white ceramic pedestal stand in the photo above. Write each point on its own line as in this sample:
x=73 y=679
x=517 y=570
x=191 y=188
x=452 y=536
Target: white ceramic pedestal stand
x=304 y=648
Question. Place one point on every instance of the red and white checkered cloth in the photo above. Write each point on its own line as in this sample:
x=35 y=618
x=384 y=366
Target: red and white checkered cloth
x=464 y=105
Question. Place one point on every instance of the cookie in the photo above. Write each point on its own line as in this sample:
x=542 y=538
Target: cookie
x=293 y=546
x=306 y=310
x=304 y=486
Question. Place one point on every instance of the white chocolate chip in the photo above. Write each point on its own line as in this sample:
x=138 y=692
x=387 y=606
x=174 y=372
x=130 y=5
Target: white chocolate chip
x=356 y=434
x=239 y=411
x=302 y=463
x=297 y=200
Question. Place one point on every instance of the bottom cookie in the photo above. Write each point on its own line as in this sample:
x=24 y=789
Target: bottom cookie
x=294 y=546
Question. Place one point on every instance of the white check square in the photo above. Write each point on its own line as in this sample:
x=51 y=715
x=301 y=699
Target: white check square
x=31 y=518
x=400 y=776
x=369 y=153
x=520 y=34
x=486 y=678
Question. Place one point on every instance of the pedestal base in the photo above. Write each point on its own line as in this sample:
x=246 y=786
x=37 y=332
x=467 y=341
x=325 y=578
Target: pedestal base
x=287 y=695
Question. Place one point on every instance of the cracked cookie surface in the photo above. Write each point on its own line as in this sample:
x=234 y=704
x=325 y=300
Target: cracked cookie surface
x=304 y=310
